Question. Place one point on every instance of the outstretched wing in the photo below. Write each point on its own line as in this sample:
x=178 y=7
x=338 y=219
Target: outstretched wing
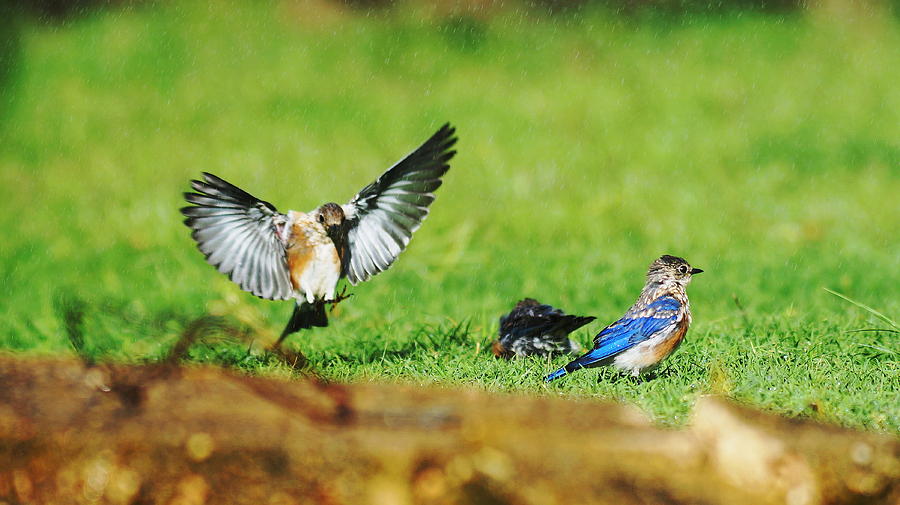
x=239 y=234
x=383 y=216
x=635 y=327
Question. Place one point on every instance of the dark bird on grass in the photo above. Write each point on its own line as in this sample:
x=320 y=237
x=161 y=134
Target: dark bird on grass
x=533 y=328
x=302 y=255
x=651 y=329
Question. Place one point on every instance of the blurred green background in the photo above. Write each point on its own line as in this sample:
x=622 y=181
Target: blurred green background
x=761 y=141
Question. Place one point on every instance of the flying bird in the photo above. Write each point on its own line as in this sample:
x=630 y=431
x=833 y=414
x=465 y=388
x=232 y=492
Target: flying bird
x=301 y=256
x=533 y=328
x=651 y=329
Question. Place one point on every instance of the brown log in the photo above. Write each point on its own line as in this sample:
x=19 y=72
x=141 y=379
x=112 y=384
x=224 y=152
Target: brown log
x=71 y=433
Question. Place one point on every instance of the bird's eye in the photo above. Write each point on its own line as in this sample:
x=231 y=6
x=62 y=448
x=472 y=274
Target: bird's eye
x=321 y=218
x=683 y=269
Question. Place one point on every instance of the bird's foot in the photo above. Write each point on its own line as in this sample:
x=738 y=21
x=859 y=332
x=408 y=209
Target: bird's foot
x=339 y=298
x=643 y=378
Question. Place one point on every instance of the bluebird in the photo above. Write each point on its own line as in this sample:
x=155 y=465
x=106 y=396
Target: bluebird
x=651 y=329
x=533 y=328
x=301 y=256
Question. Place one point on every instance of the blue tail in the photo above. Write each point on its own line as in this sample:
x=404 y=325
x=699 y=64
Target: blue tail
x=555 y=375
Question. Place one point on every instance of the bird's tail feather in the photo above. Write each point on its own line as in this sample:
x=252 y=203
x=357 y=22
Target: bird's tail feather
x=305 y=316
x=570 y=323
x=585 y=361
x=555 y=375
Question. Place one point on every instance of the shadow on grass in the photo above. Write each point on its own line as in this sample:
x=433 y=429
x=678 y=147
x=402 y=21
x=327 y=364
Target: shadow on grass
x=427 y=339
x=207 y=338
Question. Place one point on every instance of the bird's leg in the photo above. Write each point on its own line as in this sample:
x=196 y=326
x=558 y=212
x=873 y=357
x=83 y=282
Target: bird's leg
x=641 y=378
x=339 y=298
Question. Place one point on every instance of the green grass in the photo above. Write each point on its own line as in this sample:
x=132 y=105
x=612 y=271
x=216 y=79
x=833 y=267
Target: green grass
x=765 y=150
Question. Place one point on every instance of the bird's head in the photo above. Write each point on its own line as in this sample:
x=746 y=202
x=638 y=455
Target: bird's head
x=331 y=217
x=671 y=269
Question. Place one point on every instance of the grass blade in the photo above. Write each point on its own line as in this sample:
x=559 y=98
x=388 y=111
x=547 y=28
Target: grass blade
x=865 y=307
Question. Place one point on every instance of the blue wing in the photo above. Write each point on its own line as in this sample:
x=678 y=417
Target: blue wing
x=635 y=327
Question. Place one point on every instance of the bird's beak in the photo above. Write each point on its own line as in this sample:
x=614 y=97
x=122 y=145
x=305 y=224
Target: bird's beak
x=695 y=271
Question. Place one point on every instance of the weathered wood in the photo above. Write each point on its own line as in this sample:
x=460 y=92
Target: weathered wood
x=175 y=435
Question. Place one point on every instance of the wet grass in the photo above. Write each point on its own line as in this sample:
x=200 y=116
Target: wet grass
x=763 y=149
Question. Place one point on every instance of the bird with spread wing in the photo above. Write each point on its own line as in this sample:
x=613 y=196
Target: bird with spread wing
x=302 y=255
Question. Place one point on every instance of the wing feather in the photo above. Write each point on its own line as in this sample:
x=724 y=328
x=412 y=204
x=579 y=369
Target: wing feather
x=237 y=233
x=535 y=324
x=384 y=215
x=636 y=326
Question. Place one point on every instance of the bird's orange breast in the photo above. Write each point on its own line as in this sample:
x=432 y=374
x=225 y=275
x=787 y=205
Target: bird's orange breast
x=299 y=259
x=668 y=346
x=312 y=259
x=301 y=251
x=500 y=351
